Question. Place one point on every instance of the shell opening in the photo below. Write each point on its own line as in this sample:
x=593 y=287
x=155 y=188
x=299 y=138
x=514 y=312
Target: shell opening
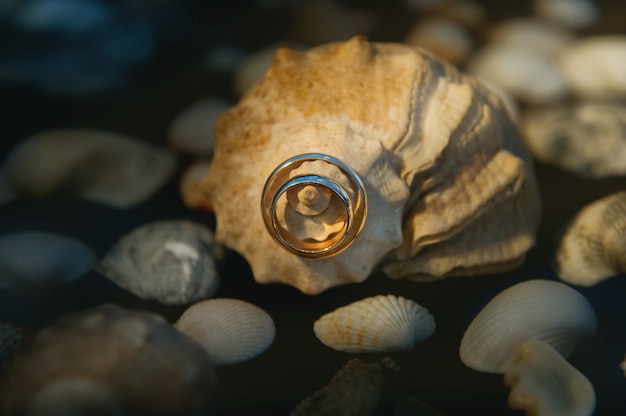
x=314 y=205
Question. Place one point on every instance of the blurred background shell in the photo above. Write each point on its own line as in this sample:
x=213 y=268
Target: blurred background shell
x=171 y=261
x=110 y=360
x=230 y=330
x=100 y=166
x=437 y=152
x=586 y=138
x=377 y=324
x=31 y=259
x=593 y=246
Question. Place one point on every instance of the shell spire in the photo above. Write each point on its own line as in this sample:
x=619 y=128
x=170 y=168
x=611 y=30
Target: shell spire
x=412 y=163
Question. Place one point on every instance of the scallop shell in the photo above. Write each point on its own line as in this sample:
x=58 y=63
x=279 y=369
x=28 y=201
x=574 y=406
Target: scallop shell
x=377 y=324
x=100 y=166
x=588 y=139
x=541 y=310
x=406 y=152
x=171 y=261
x=230 y=330
x=593 y=247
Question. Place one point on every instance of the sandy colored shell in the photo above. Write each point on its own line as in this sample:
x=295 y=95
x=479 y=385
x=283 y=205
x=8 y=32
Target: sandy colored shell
x=588 y=139
x=377 y=324
x=593 y=247
x=230 y=330
x=448 y=185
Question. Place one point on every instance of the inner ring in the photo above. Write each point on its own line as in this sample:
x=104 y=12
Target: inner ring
x=355 y=208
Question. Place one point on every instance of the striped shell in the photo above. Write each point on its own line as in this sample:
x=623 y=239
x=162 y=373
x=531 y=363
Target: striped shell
x=541 y=310
x=230 y=330
x=376 y=324
x=448 y=186
x=593 y=247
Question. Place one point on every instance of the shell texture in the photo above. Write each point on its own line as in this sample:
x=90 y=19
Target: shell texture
x=110 y=358
x=540 y=310
x=588 y=139
x=435 y=150
x=593 y=247
x=230 y=330
x=99 y=166
x=376 y=324
x=171 y=261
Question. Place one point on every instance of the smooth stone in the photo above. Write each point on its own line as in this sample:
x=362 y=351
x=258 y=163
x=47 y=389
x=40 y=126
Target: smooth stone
x=573 y=14
x=171 y=261
x=533 y=33
x=32 y=258
x=190 y=186
x=445 y=38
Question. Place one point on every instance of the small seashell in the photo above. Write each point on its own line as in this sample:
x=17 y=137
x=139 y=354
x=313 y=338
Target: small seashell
x=99 y=166
x=587 y=138
x=114 y=359
x=595 y=66
x=536 y=34
x=11 y=340
x=376 y=324
x=525 y=332
x=445 y=38
x=593 y=247
x=171 y=261
x=230 y=330
x=360 y=388
x=542 y=382
x=190 y=189
x=192 y=131
x=540 y=310
x=31 y=258
x=574 y=14
x=523 y=72
x=345 y=188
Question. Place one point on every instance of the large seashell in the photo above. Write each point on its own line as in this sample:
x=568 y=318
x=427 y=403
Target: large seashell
x=593 y=247
x=99 y=166
x=230 y=330
x=540 y=310
x=366 y=154
x=172 y=261
x=31 y=258
x=109 y=360
x=587 y=138
x=376 y=324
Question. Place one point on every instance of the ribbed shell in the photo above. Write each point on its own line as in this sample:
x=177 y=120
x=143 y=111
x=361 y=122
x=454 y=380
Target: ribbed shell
x=593 y=247
x=540 y=310
x=437 y=152
x=376 y=324
x=230 y=330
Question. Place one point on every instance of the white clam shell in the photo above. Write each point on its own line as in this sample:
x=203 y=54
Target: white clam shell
x=34 y=257
x=99 y=166
x=171 y=261
x=381 y=323
x=541 y=310
x=230 y=330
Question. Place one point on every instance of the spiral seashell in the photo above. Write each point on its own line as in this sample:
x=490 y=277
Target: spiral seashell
x=539 y=310
x=365 y=155
x=230 y=330
x=593 y=247
x=376 y=324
